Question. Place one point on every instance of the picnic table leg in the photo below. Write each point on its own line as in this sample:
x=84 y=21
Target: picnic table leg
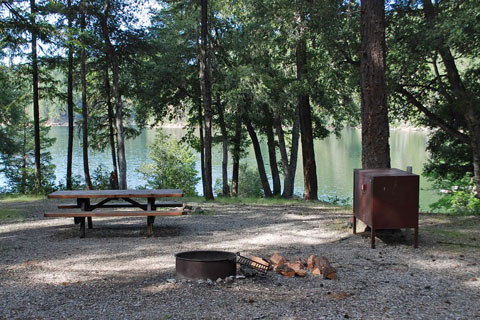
x=150 y=220
x=85 y=206
x=151 y=204
x=90 y=222
x=82 y=227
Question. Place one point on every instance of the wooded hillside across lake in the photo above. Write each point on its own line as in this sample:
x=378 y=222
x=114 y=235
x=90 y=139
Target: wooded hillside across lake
x=240 y=73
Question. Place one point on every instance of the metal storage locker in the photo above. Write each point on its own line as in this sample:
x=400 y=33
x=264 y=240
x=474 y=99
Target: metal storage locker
x=386 y=199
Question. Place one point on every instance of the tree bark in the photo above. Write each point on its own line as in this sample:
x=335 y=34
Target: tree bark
x=308 y=153
x=236 y=156
x=202 y=145
x=23 y=184
x=223 y=130
x=114 y=177
x=206 y=89
x=272 y=156
x=258 y=156
x=36 y=106
x=374 y=110
x=83 y=70
x=70 y=97
x=112 y=56
x=289 y=167
x=464 y=100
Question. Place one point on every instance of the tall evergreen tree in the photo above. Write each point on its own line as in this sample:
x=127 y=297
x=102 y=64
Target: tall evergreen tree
x=375 y=128
x=206 y=89
x=112 y=58
x=70 y=104
x=83 y=76
x=308 y=152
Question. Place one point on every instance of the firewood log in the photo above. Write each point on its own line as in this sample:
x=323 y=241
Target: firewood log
x=277 y=259
x=325 y=268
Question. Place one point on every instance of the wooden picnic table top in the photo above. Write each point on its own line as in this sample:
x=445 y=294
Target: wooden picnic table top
x=87 y=194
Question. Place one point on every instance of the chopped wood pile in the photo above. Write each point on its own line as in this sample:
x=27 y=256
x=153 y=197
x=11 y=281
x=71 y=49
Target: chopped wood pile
x=319 y=266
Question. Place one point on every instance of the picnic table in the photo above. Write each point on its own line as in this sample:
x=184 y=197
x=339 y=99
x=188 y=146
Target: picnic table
x=103 y=198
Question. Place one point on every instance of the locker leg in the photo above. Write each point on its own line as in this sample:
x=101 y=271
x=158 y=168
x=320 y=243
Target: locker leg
x=415 y=238
x=372 y=235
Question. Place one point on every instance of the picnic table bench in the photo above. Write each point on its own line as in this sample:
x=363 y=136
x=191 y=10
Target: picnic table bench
x=130 y=200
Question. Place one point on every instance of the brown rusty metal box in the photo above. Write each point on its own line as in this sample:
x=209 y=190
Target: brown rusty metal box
x=386 y=199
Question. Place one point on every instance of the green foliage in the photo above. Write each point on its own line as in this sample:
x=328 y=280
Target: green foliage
x=101 y=178
x=19 y=164
x=173 y=165
x=78 y=183
x=450 y=159
x=17 y=138
x=249 y=183
x=459 y=196
x=423 y=55
x=218 y=188
x=11 y=102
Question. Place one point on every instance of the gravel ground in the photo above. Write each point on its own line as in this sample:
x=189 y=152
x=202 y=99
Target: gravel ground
x=47 y=272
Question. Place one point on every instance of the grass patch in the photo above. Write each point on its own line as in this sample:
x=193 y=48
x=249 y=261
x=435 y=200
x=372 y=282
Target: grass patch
x=10 y=214
x=451 y=233
x=20 y=197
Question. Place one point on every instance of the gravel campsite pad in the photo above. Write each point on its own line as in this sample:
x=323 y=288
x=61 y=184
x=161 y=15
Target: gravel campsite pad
x=47 y=271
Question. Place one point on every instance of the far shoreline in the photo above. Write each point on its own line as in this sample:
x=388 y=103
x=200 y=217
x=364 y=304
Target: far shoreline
x=183 y=125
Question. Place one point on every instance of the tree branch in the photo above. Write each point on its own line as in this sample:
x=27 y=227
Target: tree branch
x=433 y=118
x=15 y=12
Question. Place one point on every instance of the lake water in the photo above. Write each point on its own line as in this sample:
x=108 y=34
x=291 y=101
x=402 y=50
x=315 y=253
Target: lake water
x=335 y=157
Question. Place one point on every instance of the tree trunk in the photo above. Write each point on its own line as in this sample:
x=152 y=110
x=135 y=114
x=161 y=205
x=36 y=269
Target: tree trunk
x=114 y=176
x=375 y=131
x=258 y=156
x=112 y=56
x=223 y=130
x=83 y=67
x=290 y=167
x=236 y=156
x=202 y=146
x=464 y=99
x=308 y=153
x=23 y=184
x=473 y=121
x=36 y=106
x=206 y=89
x=273 y=160
x=70 y=97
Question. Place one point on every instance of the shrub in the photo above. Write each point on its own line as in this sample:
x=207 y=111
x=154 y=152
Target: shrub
x=173 y=165
x=249 y=183
x=101 y=178
x=458 y=196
